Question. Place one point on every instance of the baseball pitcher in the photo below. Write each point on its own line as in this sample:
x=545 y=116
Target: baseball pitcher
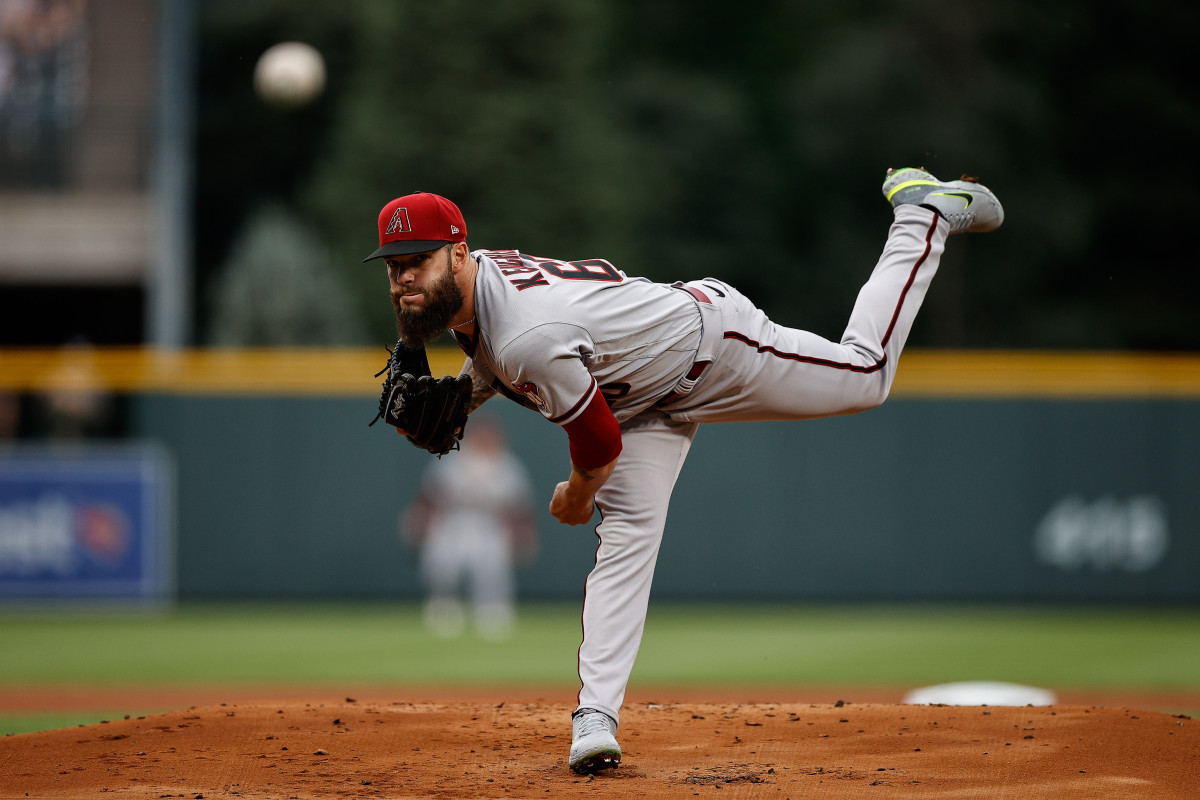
x=630 y=368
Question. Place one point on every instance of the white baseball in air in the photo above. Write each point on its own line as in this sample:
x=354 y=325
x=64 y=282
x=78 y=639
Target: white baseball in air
x=289 y=74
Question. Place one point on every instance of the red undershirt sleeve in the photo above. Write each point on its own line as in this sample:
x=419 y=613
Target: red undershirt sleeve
x=594 y=435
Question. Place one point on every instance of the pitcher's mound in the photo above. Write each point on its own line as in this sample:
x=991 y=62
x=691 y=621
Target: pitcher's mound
x=465 y=750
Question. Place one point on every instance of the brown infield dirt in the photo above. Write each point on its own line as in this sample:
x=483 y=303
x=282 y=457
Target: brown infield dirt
x=406 y=744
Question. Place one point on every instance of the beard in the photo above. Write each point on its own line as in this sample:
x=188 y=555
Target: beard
x=443 y=299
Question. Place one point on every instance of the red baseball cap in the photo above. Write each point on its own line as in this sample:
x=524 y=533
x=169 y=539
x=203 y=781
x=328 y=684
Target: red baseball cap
x=417 y=223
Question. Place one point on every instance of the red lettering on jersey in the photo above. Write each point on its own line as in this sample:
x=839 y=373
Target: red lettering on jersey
x=510 y=264
x=591 y=269
x=505 y=258
x=533 y=280
x=588 y=269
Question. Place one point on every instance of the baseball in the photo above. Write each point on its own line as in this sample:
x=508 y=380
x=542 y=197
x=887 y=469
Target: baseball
x=289 y=74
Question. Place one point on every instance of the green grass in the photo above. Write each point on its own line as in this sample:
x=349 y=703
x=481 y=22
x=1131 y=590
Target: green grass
x=1067 y=648
x=259 y=644
x=31 y=723
x=768 y=645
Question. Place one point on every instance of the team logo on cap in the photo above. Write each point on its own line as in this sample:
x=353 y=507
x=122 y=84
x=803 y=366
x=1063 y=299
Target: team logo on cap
x=399 y=222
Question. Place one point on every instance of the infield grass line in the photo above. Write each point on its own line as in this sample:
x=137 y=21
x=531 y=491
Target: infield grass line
x=768 y=644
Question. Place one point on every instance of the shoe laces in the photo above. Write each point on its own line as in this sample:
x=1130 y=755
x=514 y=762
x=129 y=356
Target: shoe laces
x=591 y=722
x=961 y=221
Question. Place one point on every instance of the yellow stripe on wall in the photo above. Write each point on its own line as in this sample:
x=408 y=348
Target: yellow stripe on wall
x=922 y=373
x=1052 y=374
x=208 y=371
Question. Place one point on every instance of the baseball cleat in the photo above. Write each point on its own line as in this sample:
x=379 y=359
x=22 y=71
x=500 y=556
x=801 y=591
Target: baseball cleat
x=968 y=205
x=593 y=741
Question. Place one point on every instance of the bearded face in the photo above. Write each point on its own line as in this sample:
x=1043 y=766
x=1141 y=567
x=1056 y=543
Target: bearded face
x=443 y=299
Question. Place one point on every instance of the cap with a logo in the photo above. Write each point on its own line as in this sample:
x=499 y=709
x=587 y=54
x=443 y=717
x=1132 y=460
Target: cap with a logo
x=416 y=223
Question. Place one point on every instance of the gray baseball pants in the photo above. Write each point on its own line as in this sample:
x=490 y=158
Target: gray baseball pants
x=758 y=371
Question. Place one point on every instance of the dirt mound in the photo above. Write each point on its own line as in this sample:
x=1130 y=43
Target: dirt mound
x=683 y=750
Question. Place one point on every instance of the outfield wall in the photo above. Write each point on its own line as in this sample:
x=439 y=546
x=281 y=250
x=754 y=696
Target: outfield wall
x=948 y=492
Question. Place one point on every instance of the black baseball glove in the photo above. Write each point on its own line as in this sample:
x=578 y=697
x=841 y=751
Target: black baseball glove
x=431 y=411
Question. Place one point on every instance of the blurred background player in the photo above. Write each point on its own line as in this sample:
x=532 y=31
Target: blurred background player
x=472 y=521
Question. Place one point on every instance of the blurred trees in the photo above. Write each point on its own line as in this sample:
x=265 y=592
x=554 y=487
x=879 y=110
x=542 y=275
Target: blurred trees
x=276 y=290
x=682 y=139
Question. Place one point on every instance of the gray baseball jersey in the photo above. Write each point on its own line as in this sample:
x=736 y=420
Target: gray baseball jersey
x=557 y=332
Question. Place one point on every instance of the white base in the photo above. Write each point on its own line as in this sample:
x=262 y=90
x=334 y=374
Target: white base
x=981 y=693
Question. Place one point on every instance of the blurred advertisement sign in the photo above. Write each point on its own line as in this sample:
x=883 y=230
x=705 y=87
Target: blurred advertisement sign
x=89 y=522
x=1109 y=533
